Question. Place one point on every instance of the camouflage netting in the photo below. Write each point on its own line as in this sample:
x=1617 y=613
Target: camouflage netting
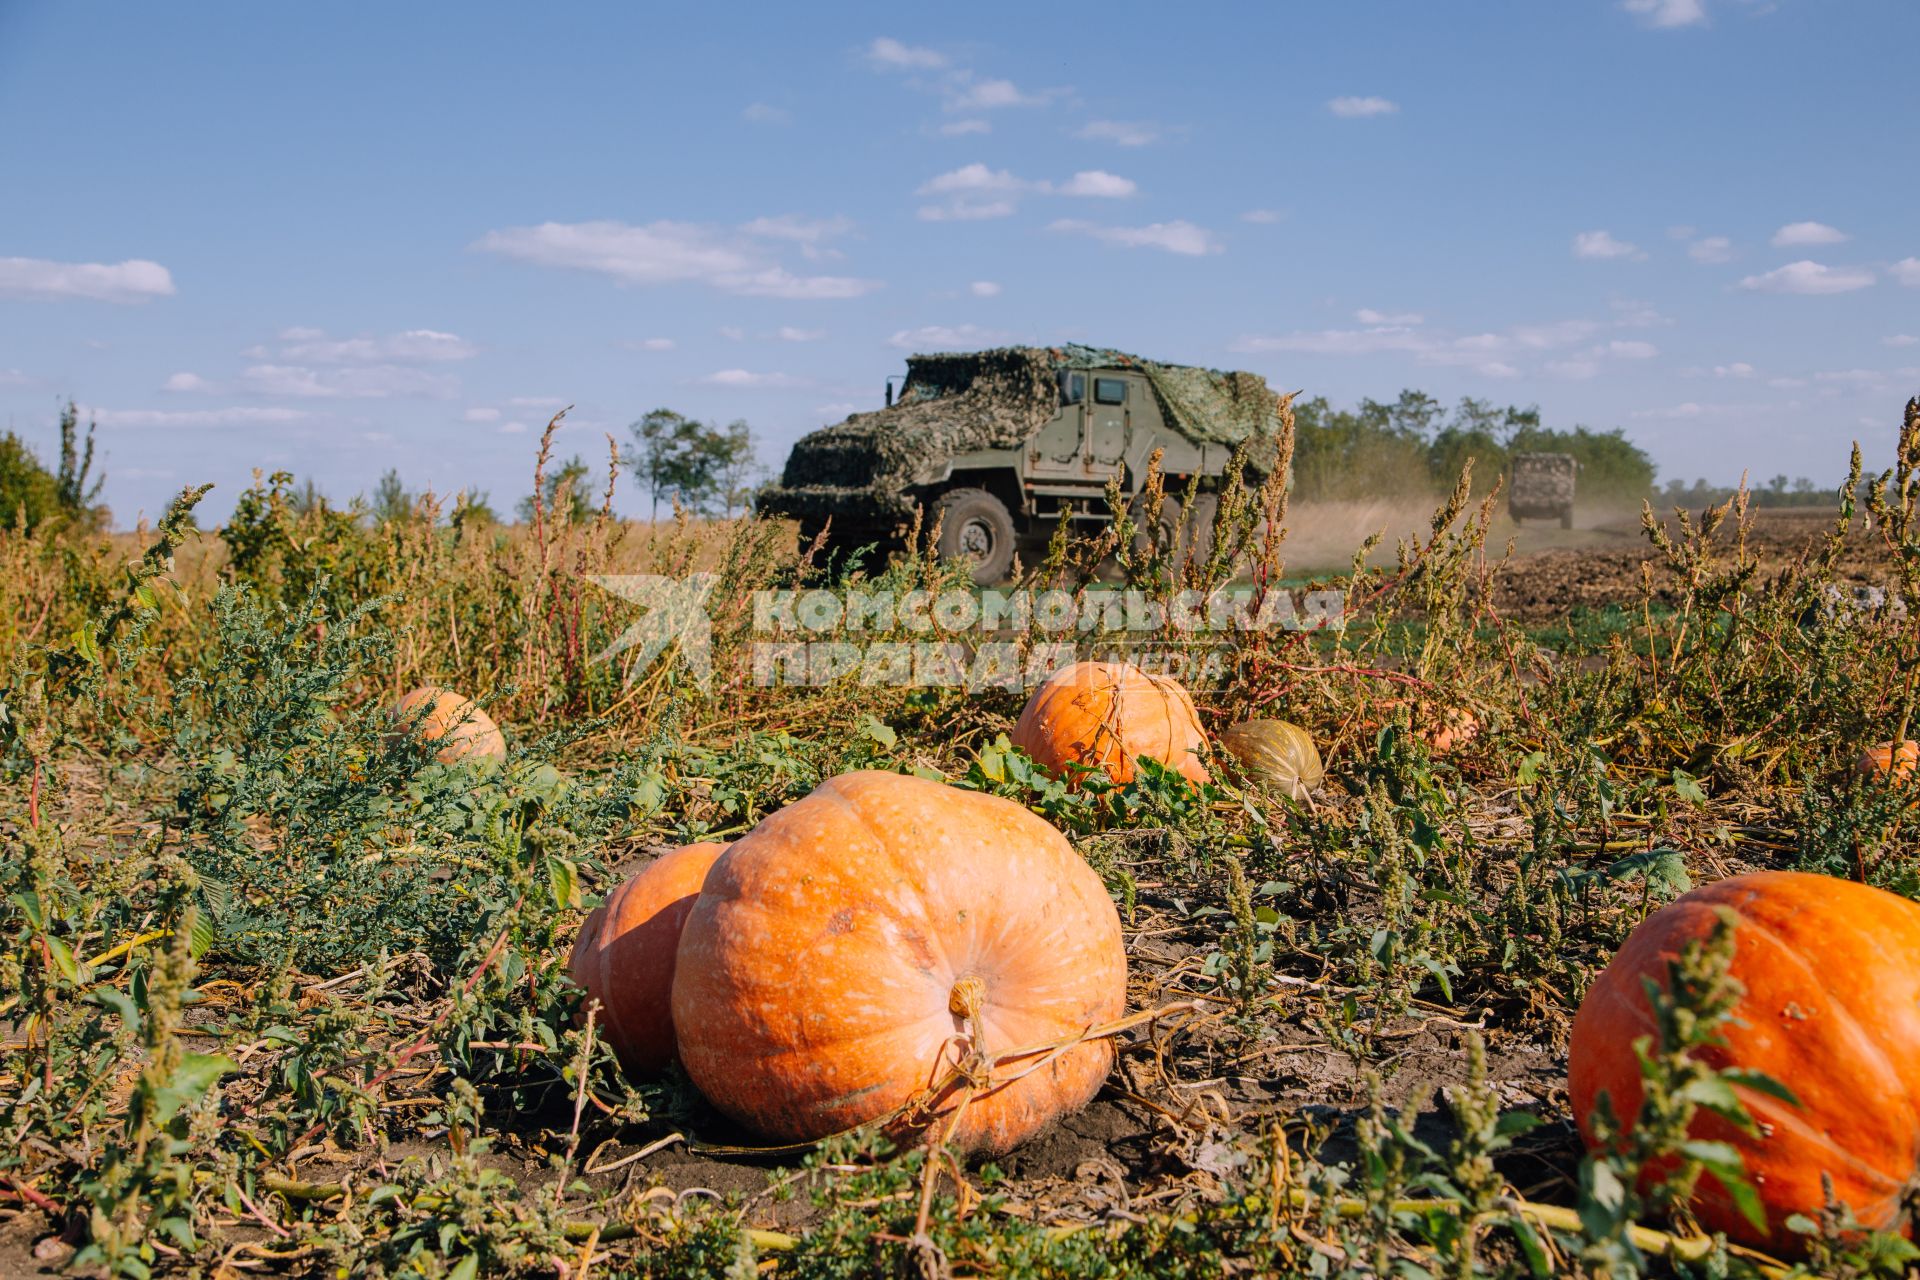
x=953 y=404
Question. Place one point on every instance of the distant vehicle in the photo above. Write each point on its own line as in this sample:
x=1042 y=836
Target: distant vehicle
x=1542 y=487
x=998 y=445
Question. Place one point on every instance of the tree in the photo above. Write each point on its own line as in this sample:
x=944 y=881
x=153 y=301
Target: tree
x=736 y=467
x=31 y=495
x=568 y=488
x=391 y=501
x=685 y=460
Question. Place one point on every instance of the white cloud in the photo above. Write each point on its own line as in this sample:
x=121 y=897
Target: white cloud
x=972 y=179
x=1362 y=108
x=351 y=382
x=732 y=333
x=1900 y=340
x=892 y=55
x=1120 y=132
x=787 y=333
x=512 y=428
x=1787 y=384
x=413 y=346
x=1796 y=234
x=663 y=252
x=1711 y=249
x=1810 y=278
x=984 y=289
x=762 y=113
x=651 y=344
x=481 y=415
x=14 y=378
x=1261 y=217
x=964 y=210
x=988 y=95
x=1667 y=13
x=1694 y=409
x=186 y=382
x=963 y=128
x=1855 y=377
x=936 y=337
x=1602 y=245
x=748 y=380
x=974 y=191
x=1738 y=369
x=1629 y=314
x=1099 y=184
x=1682 y=232
x=1907 y=271
x=1179 y=236
x=790 y=226
x=238 y=417
x=1367 y=315
x=135 y=280
x=1490 y=354
x=1632 y=350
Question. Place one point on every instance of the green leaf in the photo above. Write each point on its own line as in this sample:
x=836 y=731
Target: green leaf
x=85 y=645
x=465 y=1269
x=203 y=935
x=62 y=956
x=1687 y=788
x=1531 y=1247
x=1761 y=1082
x=197 y=1073
x=564 y=882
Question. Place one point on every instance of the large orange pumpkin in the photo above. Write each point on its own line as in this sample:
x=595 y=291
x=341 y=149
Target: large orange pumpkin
x=460 y=728
x=1108 y=714
x=853 y=947
x=625 y=953
x=1832 y=1010
x=1881 y=760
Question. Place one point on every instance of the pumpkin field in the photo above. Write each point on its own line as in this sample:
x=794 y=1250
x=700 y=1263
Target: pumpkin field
x=376 y=905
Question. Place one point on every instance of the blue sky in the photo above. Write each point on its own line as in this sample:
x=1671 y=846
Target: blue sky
x=346 y=237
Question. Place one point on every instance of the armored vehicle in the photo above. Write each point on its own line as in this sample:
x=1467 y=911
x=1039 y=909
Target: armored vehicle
x=1542 y=488
x=998 y=446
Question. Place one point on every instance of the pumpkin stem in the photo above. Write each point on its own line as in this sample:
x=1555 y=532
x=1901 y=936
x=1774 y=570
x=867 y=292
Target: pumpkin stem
x=966 y=999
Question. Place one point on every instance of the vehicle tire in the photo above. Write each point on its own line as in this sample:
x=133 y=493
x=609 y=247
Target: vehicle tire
x=1566 y=518
x=976 y=525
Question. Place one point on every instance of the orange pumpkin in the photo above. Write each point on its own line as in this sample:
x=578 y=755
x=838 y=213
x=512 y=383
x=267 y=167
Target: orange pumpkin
x=1441 y=728
x=1108 y=714
x=1831 y=971
x=855 y=945
x=1881 y=760
x=625 y=954
x=464 y=730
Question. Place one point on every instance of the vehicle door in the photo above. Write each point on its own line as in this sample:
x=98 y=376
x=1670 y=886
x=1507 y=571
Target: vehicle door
x=1109 y=422
x=1055 y=451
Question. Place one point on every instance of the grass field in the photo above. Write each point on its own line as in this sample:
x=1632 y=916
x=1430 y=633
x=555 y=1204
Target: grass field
x=285 y=996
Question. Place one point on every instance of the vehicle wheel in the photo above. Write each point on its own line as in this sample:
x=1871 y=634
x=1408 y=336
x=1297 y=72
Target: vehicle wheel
x=1566 y=518
x=975 y=525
